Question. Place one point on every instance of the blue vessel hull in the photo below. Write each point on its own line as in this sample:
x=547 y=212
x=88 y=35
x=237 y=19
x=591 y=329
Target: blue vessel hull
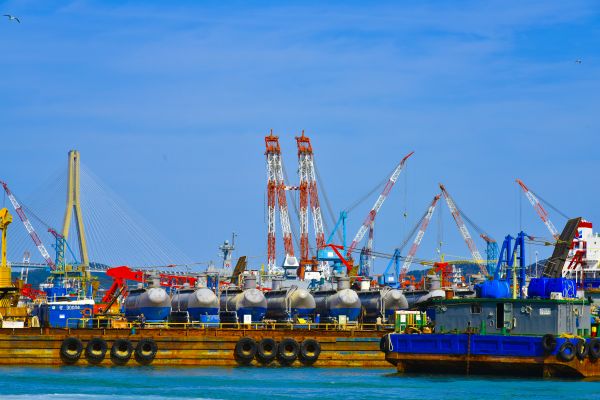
x=64 y=315
x=463 y=344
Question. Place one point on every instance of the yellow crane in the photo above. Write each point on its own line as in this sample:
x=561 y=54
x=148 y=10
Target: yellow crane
x=5 y=271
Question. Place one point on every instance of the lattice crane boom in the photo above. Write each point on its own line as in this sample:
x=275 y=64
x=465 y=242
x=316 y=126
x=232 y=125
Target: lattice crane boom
x=541 y=211
x=464 y=231
x=276 y=194
x=418 y=238
x=308 y=193
x=34 y=236
x=377 y=206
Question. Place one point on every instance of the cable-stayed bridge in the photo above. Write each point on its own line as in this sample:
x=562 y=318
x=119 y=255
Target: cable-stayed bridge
x=98 y=228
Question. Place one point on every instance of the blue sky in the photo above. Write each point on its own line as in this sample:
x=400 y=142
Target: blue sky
x=168 y=103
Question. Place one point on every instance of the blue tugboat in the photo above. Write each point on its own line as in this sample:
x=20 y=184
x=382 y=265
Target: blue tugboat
x=545 y=328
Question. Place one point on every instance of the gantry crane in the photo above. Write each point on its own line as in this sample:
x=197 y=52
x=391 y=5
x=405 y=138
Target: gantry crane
x=276 y=194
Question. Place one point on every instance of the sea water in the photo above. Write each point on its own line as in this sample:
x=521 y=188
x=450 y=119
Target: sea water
x=150 y=383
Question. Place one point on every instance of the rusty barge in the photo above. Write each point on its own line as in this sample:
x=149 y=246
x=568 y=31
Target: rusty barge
x=211 y=346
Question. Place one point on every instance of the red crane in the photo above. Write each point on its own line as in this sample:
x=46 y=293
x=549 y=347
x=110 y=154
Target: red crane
x=370 y=219
x=308 y=191
x=122 y=274
x=413 y=250
x=276 y=194
x=34 y=236
x=539 y=209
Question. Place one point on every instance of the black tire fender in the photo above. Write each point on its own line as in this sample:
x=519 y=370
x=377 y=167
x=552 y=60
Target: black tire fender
x=548 y=343
x=245 y=350
x=95 y=350
x=288 y=351
x=582 y=349
x=384 y=343
x=120 y=352
x=309 y=353
x=594 y=349
x=145 y=351
x=566 y=352
x=266 y=351
x=70 y=350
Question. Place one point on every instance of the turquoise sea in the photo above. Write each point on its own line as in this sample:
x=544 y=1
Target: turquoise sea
x=151 y=383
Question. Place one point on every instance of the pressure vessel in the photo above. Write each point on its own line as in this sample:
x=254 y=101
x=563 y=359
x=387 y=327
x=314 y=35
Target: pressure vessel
x=381 y=303
x=153 y=302
x=286 y=304
x=198 y=302
x=244 y=302
x=331 y=304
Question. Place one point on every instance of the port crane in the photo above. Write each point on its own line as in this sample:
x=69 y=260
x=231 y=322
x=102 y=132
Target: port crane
x=308 y=192
x=464 y=231
x=276 y=189
x=541 y=211
x=30 y=230
x=418 y=238
x=368 y=223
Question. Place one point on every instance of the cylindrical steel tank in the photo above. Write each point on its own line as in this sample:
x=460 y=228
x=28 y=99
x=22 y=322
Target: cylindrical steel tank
x=285 y=304
x=153 y=302
x=332 y=304
x=247 y=302
x=202 y=301
x=381 y=303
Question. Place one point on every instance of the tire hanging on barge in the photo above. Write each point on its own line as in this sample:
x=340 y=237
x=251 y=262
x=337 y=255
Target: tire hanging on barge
x=309 y=352
x=145 y=351
x=288 y=351
x=566 y=352
x=70 y=350
x=548 y=343
x=95 y=350
x=121 y=351
x=266 y=351
x=245 y=350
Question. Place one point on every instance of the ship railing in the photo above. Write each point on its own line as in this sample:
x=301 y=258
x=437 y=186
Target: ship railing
x=107 y=323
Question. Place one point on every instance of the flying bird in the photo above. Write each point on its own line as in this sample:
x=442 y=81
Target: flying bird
x=12 y=18
x=578 y=61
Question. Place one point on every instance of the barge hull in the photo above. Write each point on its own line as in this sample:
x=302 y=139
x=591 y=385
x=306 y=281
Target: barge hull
x=493 y=365
x=189 y=347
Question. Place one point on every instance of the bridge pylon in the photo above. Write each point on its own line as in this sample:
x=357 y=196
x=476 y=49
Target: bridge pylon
x=74 y=207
